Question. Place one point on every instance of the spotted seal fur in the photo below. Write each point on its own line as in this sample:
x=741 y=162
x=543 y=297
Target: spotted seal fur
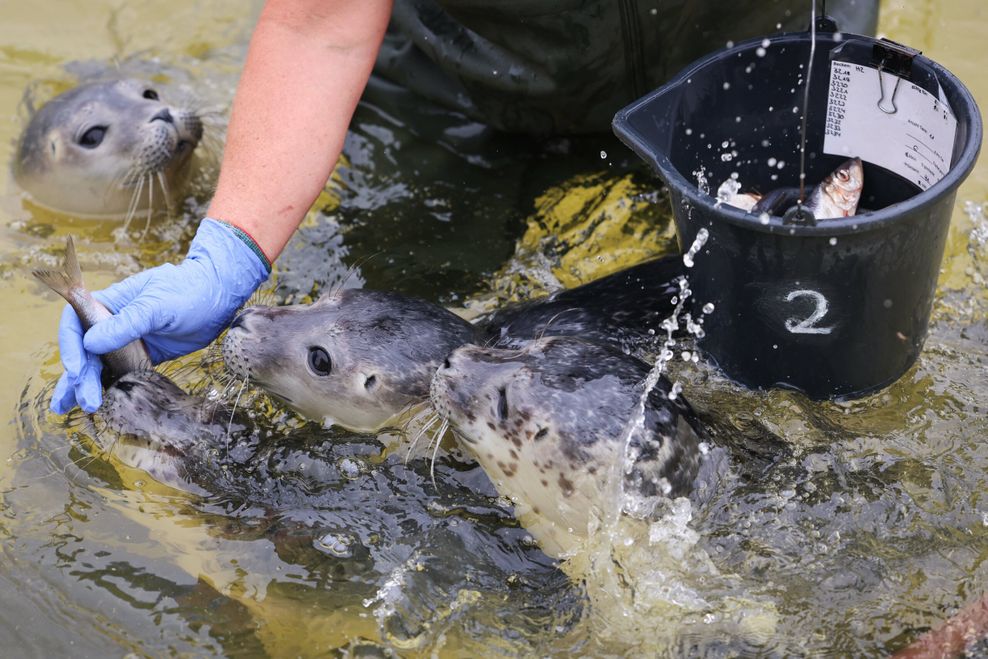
x=358 y=358
x=547 y=423
x=105 y=148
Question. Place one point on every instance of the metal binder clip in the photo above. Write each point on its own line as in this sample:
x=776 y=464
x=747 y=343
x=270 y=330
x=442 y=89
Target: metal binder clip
x=897 y=59
x=889 y=107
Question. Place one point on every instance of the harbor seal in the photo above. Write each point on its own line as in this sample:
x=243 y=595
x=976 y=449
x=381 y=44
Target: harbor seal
x=106 y=149
x=152 y=424
x=357 y=358
x=548 y=424
x=360 y=358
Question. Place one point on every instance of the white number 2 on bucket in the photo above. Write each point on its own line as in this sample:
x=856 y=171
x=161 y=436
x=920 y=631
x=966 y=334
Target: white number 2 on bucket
x=888 y=121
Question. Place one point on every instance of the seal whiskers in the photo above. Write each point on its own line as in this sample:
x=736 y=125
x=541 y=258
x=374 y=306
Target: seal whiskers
x=233 y=411
x=429 y=422
x=135 y=201
x=438 y=439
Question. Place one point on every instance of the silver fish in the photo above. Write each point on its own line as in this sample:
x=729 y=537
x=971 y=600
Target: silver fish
x=67 y=282
x=836 y=196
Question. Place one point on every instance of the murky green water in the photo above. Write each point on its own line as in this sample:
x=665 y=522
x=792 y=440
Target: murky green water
x=838 y=528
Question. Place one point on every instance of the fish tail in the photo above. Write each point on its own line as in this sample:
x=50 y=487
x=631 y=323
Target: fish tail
x=64 y=280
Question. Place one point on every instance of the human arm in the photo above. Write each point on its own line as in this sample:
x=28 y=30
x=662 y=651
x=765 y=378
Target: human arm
x=306 y=67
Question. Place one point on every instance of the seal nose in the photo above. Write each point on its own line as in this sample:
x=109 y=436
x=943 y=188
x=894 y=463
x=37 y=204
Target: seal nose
x=164 y=115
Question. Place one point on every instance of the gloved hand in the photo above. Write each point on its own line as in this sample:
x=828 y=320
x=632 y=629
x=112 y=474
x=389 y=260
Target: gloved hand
x=176 y=309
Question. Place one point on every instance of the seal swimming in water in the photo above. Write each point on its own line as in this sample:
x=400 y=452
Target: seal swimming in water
x=100 y=149
x=547 y=423
x=359 y=358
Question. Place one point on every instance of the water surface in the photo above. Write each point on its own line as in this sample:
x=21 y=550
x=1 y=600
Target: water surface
x=850 y=527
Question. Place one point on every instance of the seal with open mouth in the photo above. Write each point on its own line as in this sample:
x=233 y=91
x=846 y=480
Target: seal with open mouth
x=553 y=423
x=106 y=149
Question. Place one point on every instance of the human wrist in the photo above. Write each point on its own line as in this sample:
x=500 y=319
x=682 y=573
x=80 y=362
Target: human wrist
x=230 y=257
x=247 y=239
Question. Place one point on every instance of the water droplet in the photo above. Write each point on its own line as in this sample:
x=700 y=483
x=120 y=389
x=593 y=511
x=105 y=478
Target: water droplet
x=708 y=308
x=833 y=241
x=727 y=85
x=603 y=154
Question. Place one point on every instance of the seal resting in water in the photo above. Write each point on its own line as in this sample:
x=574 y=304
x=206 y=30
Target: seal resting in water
x=551 y=426
x=101 y=149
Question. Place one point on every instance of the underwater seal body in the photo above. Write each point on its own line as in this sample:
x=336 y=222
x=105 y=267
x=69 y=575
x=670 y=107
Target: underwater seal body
x=105 y=149
x=548 y=424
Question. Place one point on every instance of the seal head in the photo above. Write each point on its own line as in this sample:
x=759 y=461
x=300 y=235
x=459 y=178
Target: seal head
x=103 y=149
x=548 y=424
x=356 y=358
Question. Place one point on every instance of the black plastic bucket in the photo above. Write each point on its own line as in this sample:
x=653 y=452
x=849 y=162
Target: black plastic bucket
x=835 y=309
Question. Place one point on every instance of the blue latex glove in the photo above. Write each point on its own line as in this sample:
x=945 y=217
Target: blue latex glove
x=176 y=309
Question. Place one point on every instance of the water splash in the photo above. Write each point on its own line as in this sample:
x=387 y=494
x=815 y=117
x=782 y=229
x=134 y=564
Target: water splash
x=698 y=243
x=636 y=424
x=728 y=189
x=701 y=180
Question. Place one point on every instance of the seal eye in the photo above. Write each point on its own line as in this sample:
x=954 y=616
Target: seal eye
x=150 y=95
x=93 y=137
x=319 y=361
